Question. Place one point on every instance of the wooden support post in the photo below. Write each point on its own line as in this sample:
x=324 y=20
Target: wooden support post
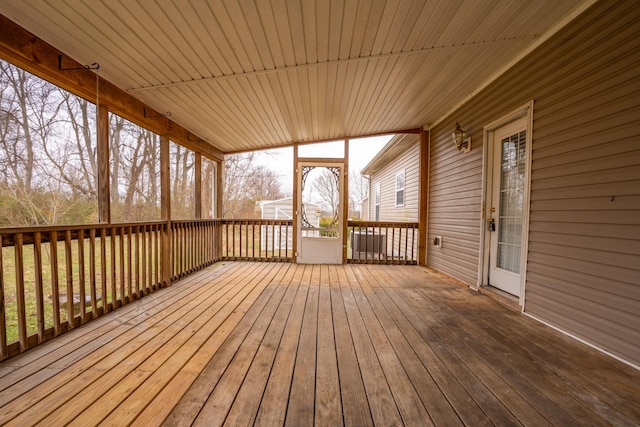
x=219 y=190
x=423 y=210
x=165 y=213
x=345 y=201
x=104 y=186
x=198 y=186
x=296 y=183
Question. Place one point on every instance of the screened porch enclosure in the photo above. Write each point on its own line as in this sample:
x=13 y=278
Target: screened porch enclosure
x=249 y=343
x=131 y=292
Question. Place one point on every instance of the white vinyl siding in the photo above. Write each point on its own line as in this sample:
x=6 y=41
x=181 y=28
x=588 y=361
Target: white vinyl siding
x=582 y=272
x=409 y=162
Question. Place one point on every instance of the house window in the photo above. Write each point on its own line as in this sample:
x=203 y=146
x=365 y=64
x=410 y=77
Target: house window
x=376 y=202
x=400 y=189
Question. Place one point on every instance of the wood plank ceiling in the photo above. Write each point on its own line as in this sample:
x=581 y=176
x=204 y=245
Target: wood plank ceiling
x=254 y=74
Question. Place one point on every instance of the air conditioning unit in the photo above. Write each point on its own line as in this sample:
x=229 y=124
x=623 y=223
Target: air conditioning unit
x=368 y=244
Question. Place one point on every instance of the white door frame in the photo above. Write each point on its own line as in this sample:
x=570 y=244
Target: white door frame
x=334 y=246
x=487 y=178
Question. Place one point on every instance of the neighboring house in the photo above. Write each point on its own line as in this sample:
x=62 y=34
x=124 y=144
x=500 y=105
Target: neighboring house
x=282 y=209
x=394 y=175
x=394 y=180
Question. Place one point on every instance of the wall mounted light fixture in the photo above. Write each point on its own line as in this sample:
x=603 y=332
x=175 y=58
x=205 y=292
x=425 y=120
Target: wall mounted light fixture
x=460 y=138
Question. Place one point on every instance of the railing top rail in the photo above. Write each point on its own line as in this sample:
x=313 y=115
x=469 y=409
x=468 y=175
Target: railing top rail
x=196 y=221
x=255 y=221
x=75 y=227
x=395 y=224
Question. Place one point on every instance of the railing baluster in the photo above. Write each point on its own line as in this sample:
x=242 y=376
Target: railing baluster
x=137 y=261
x=179 y=250
x=37 y=266
x=129 y=266
x=55 y=282
x=19 y=270
x=92 y=273
x=123 y=296
x=158 y=230
x=112 y=241
x=143 y=264
x=81 y=276
x=68 y=259
x=381 y=242
x=4 y=351
x=103 y=270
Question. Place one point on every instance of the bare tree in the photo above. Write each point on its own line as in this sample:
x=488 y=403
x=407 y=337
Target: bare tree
x=182 y=162
x=358 y=190
x=247 y=183
x=46 y=150
x=135 y=172
x=326 y=186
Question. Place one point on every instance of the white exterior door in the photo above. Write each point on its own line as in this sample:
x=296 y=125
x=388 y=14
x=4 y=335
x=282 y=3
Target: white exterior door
x=320 y=230
x=505 y=220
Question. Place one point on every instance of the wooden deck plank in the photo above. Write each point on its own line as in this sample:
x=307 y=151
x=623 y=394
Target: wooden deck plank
x=247 y=402
x=551 y=401
x=215 y=409
x=407 y=400
x=112 y=366
x=444 y=377
x=520 y=407
x=355 y=406
x=586 y=387
x=135 y=390
x=159 y=408
x=130 y=333
x=302 y=396
x=455 y=369
x=434 y=400
x=273 y=407
x=328 y=409
x=381 y=402
x=554 y=395
x=53 y=350
x=246 y=343
x=195 y=398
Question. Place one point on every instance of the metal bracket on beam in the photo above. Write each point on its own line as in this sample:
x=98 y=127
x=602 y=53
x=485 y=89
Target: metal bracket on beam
x=144 y=110
x=93 y=66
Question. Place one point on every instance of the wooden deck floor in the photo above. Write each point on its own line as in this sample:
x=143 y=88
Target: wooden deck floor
x=272 y=344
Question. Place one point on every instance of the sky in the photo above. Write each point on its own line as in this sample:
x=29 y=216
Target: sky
x=361 y=151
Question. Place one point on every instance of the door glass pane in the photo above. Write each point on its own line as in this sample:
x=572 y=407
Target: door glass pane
x=512 y=177
x=320 y=189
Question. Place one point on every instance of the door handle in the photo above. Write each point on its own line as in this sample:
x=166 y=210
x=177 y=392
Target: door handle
x=491 y=223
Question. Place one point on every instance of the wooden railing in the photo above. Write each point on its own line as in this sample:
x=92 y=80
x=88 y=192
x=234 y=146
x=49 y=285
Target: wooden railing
x=377 y=242
x=257 y=239
x=57 y=278
x=53 y=279
x=194 y=245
